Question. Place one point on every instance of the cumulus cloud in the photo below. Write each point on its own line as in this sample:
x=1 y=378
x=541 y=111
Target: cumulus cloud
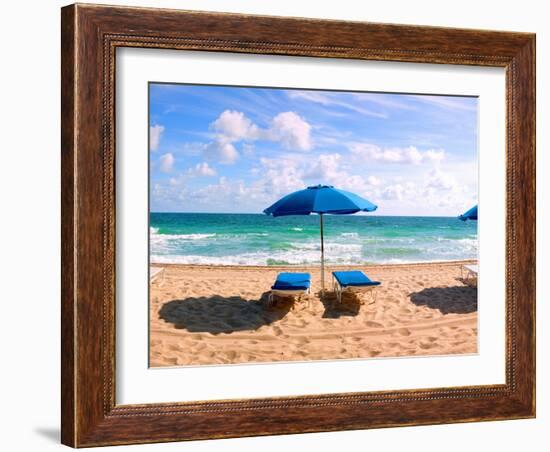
x=235 y=126
x=439 y=190
x=202 y=169
x=222 y=195
x=231 y=127
x=391 y=192
x=292 y=131
x=409 y=155
x=439 y=180
x=374 y=181
x=325 y=170
x=167 y=162
x=155 y=134
x=279 y=177
x=221 y=151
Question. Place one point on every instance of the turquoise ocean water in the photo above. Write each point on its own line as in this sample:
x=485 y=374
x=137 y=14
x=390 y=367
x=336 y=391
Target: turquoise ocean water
x=257 y=239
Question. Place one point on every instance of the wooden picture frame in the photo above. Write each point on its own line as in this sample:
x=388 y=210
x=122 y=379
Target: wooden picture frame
x=90 y=36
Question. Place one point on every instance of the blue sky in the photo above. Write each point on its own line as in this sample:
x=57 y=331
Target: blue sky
x=235 y=149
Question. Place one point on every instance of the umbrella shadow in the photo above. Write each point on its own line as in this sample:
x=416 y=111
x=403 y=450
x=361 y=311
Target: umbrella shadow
x=350 y=305
x=217 y=314
x=449 y=300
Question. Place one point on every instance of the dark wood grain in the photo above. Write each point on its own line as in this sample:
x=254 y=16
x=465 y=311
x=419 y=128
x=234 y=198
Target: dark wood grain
x=90 y=36
x=68 y=331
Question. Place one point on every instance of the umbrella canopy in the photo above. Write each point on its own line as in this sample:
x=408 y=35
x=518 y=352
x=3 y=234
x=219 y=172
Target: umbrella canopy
x=320 y=199
x=469 y=215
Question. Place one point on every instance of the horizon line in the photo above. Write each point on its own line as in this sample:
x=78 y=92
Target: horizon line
x=263 y=214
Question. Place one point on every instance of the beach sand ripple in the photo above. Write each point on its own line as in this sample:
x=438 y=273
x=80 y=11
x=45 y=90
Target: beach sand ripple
x=219 y=315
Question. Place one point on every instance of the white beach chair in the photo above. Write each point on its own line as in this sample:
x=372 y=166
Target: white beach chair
x=469 y=274
x=156 y=273
x=353 y=282
x=290 y=285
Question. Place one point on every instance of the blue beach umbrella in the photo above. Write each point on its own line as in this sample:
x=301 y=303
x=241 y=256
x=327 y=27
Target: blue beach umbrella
x=469 y=215
x=320 y=199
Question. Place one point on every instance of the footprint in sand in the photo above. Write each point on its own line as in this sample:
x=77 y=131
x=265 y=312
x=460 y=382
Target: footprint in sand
x=427 y=345
x=403 y=332
x=302 y=340
x=277 y=331
x=231 y=355
x=372 y=324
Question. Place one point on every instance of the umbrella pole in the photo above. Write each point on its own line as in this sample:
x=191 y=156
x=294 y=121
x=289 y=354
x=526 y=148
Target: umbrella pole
x=322 y=256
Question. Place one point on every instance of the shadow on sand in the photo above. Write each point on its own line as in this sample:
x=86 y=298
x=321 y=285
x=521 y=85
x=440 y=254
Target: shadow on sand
x=449 y=300
x=350 y=306
x=218 y=314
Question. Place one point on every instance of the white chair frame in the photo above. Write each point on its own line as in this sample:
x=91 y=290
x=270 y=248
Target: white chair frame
x=288 y=293
x=339 y=290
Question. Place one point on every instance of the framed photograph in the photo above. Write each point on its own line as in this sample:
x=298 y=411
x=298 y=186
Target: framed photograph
x=282 y=225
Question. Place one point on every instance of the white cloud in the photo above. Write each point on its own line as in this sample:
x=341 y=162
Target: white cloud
x=409 y=155
x=235 y=126
x=167 y=162
x=202 y=169
x=292 y=131
x=279 y=177
x=287 y=128
x=325 y=170
x=328 y=170
x=391 y=192
x=155 y=134
x=439 y=180
x=374 y=181
x=432 y=193
x=221 y=151
x=222 y=195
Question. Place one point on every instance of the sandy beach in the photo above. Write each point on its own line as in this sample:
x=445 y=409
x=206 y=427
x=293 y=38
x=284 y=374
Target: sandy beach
x=203 y=314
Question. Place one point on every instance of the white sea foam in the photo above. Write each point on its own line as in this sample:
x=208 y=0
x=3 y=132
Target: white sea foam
x=297 y=229
x=330 y=247
x=183 y=236
x=260 y=258
x=351 y=235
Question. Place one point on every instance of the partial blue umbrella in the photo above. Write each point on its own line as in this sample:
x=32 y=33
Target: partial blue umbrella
x=469 y=215
x=320 y=199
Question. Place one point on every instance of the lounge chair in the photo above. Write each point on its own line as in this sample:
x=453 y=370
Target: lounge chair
x=353 y=281
x=469 y=274
x=156 y=273
x=290 y=285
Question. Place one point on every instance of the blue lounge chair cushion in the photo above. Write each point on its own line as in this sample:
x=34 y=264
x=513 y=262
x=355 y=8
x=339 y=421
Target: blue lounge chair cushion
x=292 y=281
x=354 y=278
